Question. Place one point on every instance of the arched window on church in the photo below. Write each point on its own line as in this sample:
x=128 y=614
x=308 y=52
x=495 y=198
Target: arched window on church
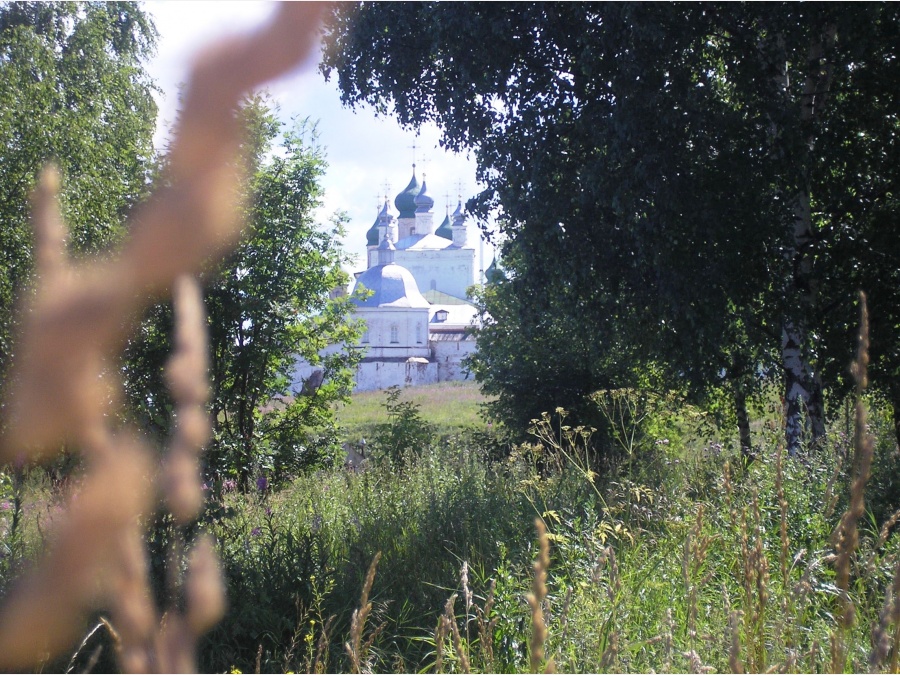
x=395 y=334
x=418 y=332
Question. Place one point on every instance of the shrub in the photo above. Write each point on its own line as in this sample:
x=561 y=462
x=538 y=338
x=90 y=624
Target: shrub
x=405 y=435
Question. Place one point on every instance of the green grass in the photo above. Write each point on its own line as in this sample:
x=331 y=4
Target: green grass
x=674 y=564
x=451 y=406
x=681 y=559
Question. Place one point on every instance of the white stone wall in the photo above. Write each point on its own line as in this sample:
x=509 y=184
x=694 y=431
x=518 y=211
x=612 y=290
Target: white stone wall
x=408 y=325
x=451 y=270
x=373 y=375
x=449 y=356
x=406 y=227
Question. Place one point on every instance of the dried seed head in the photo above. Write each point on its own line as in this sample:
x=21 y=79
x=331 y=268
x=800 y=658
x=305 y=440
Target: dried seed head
x=204 y=588
x=66 y=373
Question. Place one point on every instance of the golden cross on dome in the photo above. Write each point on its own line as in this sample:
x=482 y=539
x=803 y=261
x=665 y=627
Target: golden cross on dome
x=413 y=146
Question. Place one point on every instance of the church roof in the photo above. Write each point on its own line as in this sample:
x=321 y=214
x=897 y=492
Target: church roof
x=418 y=242
x=423 y=201
x=436 y=297
x=493 y=274
x=406 y=200
x=459 y=316
x=372 y=234
x=445 y=230
x=392 y=286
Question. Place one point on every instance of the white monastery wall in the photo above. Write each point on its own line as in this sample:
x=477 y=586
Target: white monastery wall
x=449 y=356
x=449 y=270
x=374 y=375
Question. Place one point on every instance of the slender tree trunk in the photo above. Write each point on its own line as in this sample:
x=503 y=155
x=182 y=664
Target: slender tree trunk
x=804 y=400
x=743 y=422
x=803 y=394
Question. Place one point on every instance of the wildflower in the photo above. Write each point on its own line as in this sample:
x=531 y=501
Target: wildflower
x=229 y=485
x=262 y=483
x=5 y=505
x=256 y=531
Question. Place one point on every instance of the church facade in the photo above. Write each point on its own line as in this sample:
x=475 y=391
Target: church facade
x=413 y=296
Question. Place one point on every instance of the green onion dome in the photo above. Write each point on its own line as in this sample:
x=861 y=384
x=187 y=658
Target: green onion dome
x=445 y=230
x=493 y=274
x=423 y=201
x=406 y=200
x=372 y=233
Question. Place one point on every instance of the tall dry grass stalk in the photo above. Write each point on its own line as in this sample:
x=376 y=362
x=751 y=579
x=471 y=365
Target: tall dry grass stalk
x=694 y=553
x=357 y=650
x=486 y=626
x=846 y=535
x=755 y=582
x=536 y=600
x=67 y=390
x=459 y=647
x=441 y=632
x=735 y=664
x=884 y=640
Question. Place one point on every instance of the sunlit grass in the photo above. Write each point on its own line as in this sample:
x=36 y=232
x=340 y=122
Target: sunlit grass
x=451 y=406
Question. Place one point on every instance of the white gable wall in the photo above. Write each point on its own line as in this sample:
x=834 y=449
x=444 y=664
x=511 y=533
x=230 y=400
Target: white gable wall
x=451 y=270
x=400 y=332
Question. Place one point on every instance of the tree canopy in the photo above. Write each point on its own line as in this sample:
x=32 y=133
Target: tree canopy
x=695 y=189
x=72 y=91
x=268 y=303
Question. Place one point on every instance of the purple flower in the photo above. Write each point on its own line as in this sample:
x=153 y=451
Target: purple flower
x=5 y=505
x=255 y=532
x=262 y=483
x=229 y=485
x=268 y=510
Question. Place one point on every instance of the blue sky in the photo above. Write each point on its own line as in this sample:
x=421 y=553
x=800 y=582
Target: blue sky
x=364 y=152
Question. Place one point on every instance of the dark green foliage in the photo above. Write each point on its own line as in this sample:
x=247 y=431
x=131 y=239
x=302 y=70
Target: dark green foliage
x=268 y=303
x=405 y=435
x=679 y=186
x=275 y=568
x=72 y=91
x=304 y=551
x=529 y=357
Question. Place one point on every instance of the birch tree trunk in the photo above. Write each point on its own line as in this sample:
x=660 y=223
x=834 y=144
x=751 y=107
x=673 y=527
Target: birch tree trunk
x=804 y=399
x=743 y=423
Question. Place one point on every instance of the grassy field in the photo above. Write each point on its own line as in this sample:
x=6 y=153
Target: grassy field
x=450 y=557
x=450 y=406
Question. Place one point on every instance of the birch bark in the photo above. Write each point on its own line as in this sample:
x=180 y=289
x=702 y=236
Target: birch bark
x=803 y=395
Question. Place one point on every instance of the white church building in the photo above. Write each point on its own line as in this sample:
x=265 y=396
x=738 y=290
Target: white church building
x=413 y=296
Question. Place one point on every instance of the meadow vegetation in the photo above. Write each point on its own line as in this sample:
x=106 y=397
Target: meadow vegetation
x=680 y=556
x=450 y=406
x=656 y=542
